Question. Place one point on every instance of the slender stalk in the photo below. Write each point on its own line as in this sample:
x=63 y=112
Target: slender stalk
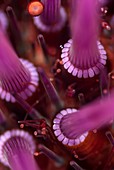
x=50 y=90
x=42 y=43
x=84 y=34
x=104 y=82
x=111 y=153
x=13 y=22
x=75 y=165
x=17 y=150
x=51 y=13
x=90 y=117
x=84 y=56
x=50 y=154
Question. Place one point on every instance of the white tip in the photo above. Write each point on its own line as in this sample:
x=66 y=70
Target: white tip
x=63 y=112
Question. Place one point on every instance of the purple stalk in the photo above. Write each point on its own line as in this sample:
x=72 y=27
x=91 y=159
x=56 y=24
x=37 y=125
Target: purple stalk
x=61 y=133
x=16 y=76
x=84 y=56
x=53 y=18
x=110 y=137
x=90 y=117
x=50 y=154
x=43 y=46
x=85 y=53
x=16 y=32
x=13 y=23
x=3 y=21
x=11 y=68
x=17 y=149
x=111 y=153
x=75 y=165
x=50 y=90
x=103 y=2
x=51 y=13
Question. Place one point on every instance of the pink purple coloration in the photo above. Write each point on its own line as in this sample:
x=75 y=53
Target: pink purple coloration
x=3 y=21
x=50 y=154
x=103 y=2
x=75 y=165
x=53 y=17
x=60 y=132
x=84 y=56
x=16 y=75
x=90 y=117
x=16 y=150
x=51 y=91
x=51 y=13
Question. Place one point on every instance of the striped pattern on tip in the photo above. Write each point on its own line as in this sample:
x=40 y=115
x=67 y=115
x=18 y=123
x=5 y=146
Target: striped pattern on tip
x=83 y=73
x=30 y=88
x=51 y=12
x=51 y=28
x=13 y=139
x=58 y=132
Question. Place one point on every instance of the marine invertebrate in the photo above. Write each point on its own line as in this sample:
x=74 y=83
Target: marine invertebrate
x=90 y=117
x=82 y=143
x=60 y=132
x=84 y=56
x=16 y=150
x=68 y=133
x=16 y=75
x=53 y=17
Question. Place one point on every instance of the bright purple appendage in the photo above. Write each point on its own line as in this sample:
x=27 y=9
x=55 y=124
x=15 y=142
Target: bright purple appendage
x=88 y=118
